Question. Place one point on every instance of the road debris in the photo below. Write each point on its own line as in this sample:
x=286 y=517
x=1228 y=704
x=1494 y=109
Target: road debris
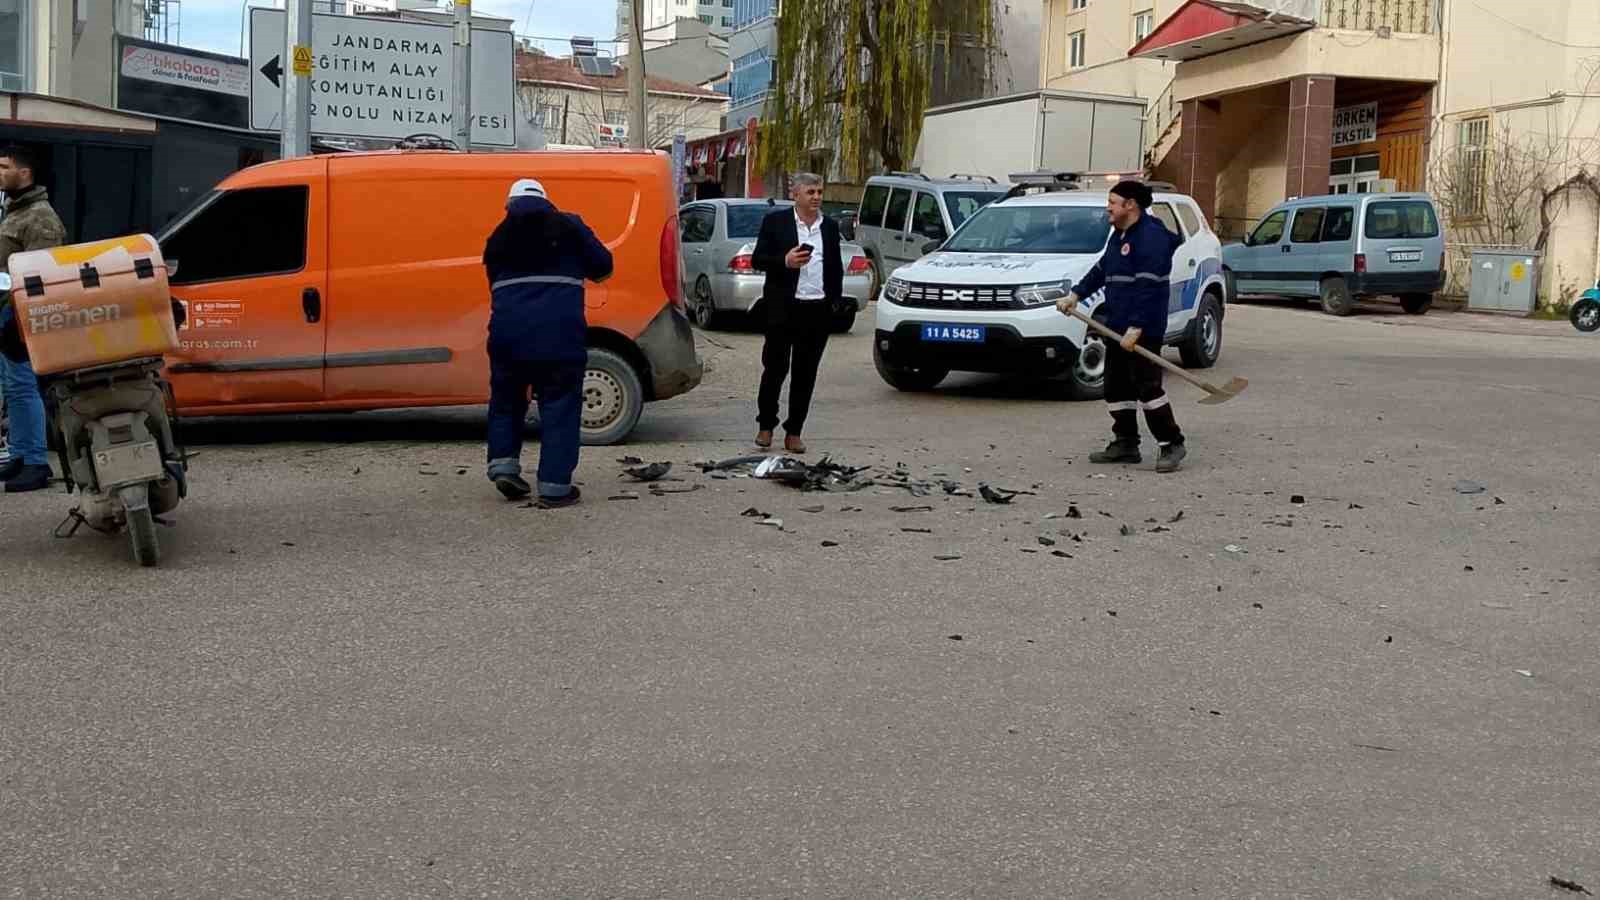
x=653 y=472
x=1160 y=529
x=1176 y=518
x=1061 y=554
x=625 y=495
x=830 y=543
x=917 y=530
x=910 y=509
x=993 y=495
x=656 y=490
x=1234 y=548
x=812 y=509
x=630 y=461
x=772 y=523
x=1298 y=500
x=1469 y=487
x=753 y=513
x=1573 y=886
x=955 y=637
x=1376 y=747
x=1127 y=531
x=1046 y=542
x=1524 y=673
x=948 y=557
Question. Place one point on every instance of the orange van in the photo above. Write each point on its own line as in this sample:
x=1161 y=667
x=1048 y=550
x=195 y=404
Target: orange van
x=355 y=282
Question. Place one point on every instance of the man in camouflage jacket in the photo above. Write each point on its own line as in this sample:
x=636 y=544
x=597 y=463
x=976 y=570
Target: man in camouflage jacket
x=29 y=224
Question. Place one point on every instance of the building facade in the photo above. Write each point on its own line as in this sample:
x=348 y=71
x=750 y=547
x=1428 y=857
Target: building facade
x=65 y=48
x=573 y=108
x=717 y=14
x=1250 y=103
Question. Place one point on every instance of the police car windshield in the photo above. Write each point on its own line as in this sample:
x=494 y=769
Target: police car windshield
x=1033 y=229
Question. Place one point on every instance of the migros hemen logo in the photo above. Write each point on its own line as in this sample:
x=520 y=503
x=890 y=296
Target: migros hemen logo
x=61 y=317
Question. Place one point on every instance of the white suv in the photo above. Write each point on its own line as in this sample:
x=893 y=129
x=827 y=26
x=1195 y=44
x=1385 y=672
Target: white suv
x=985 y=300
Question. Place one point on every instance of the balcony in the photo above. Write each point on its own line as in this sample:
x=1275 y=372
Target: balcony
x=1390 y=16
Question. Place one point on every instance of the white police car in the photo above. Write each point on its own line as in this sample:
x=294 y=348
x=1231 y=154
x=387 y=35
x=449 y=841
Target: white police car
x=985 y=300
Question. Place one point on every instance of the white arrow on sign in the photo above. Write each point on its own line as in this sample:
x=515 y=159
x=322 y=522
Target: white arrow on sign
x=382 y=79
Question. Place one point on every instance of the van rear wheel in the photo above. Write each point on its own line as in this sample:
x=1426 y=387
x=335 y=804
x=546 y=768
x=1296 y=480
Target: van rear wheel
x=1416 y=304
x=613 y=399
x=1336 y=299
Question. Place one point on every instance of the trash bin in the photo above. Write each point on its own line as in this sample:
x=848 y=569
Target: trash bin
x=1504 y=281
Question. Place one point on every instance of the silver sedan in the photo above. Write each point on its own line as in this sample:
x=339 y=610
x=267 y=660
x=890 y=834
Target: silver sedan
x=717 y=238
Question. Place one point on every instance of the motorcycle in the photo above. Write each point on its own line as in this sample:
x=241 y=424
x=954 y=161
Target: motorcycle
x=1585 y=313
x=95 y=320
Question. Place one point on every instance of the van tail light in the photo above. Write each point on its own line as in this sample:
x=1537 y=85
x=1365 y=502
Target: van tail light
x=669 y=263
x=1361 y=264
x=741 y=264
x=858 y=265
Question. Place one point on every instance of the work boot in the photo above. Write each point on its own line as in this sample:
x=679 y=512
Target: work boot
x=512 y=487
x=11 y=469
x=794 y=444
x=29 y=478
x=1117 y=451
x=1170 y=459
x=763 y=439
x=570 y=498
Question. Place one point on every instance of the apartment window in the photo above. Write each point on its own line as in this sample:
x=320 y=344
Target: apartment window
x=14 y=46
x=1472 y=166
x=1080 y=4
x=550 y=116
x=727 y=21
x=1143 y=24
x=1075 y=48
x=705 y=20
x=616 y=117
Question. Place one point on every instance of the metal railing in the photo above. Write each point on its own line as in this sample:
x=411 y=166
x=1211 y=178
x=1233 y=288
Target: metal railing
x=1159 y=118
x=1403 y=16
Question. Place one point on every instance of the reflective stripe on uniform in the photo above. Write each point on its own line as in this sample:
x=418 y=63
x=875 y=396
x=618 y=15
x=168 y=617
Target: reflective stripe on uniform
x=1122 y=406
x=537 y=279
x=1129 y=279
x=1155 y=404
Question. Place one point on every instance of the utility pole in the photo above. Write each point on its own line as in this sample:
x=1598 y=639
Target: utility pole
x=296 y=139
x=636 y=89
x=461 y=82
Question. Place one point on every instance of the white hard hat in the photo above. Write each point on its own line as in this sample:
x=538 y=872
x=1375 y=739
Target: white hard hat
x=527 y=187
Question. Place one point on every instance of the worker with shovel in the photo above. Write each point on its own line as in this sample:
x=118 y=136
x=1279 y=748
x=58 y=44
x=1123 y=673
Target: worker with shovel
x=1135 y=271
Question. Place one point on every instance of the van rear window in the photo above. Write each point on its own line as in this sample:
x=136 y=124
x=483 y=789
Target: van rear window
x=1401 y=220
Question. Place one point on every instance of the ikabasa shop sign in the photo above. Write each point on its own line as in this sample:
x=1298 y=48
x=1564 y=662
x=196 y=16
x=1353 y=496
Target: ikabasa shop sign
x=382 y=79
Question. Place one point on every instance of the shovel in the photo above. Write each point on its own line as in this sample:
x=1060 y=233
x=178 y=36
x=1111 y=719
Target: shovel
x=1214 y=394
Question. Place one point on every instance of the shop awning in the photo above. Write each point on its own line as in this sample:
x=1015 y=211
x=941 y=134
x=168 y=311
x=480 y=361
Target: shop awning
x=1206 y=27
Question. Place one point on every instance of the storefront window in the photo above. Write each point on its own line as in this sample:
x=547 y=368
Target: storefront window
x=14 y=45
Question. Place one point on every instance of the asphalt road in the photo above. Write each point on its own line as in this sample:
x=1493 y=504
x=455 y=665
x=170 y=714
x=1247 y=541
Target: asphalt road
x=359 y=673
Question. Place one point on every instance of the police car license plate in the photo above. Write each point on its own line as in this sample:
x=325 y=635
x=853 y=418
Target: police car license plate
x=1405 y=256
x=954 y=334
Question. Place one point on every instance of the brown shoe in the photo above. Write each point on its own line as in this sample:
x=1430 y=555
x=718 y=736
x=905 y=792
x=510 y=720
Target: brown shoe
x=763 y=439
x=793 y=444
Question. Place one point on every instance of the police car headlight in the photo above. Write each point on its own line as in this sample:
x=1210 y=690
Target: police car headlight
x=1044 y=294
x=895 y=290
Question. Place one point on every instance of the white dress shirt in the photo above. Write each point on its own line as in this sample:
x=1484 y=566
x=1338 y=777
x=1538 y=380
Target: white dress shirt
x=810 y=287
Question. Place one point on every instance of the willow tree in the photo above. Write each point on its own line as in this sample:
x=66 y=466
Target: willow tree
x=855 y=76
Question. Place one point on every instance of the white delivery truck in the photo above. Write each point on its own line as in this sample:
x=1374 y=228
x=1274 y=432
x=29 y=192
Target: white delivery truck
x=1039 y=131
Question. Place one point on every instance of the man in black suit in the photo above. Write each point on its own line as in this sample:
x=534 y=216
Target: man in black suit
x=799 y=251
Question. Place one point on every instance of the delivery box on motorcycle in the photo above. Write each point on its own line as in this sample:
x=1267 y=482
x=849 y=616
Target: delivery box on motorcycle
x=93 y=304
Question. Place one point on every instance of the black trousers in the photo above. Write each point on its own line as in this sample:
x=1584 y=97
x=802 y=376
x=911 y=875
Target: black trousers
x=1134 y=383
x=796 y=339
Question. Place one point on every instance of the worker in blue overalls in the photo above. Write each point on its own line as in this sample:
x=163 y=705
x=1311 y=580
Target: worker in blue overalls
x=538 y=259
x=1135 y=271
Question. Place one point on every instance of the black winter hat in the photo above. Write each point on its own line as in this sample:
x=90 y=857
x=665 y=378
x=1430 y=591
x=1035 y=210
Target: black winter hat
x=1135 y=191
